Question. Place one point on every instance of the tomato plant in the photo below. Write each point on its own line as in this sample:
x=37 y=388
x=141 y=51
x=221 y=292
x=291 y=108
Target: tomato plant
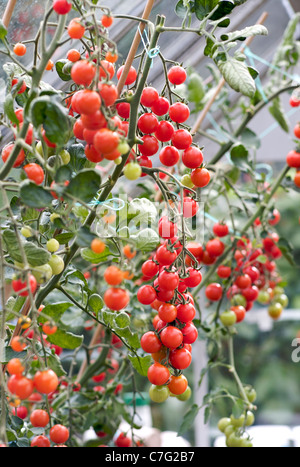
x=128 y=283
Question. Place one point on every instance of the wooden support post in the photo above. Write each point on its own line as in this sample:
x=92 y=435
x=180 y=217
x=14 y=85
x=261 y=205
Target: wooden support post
x=8 y=12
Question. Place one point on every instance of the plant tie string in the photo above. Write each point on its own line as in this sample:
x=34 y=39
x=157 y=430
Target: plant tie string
x=251 y=55
x=115 y=204
x=152 y=53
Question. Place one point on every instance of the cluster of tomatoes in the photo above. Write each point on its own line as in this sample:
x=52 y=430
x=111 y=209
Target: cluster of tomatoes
x=32 y=389
x=170 y=341
x=234 y=430
x=250 y=276
x=293 y=157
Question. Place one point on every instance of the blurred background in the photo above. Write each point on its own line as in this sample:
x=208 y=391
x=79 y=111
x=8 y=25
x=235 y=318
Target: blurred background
x=263 y=348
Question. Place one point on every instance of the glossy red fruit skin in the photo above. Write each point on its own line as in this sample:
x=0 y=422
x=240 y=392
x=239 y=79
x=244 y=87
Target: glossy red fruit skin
x=40 y=441
x=146 y=294
x=123 y=441
x=168 y=280
x=194 y=278
x=158 y=374
x=186 y=313
x=62 y=7
x=221 y=230
x=171 y=337
x=161 y=107
x=150 y=343
x=164 y=131
x=167 y=229
x=169 y=156
x=179 y=112
x=190 y=333
x=192 y=157
x=182 y=139
x=180 y=358
x=214 y=292
x=293 y=159
x=150 y=146
x=148 y=123
x=149 y=97
x=59 y=434
x=177 y=75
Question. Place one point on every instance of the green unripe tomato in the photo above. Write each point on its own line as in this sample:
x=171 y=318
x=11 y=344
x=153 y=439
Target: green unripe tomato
x=282 y=299
x=132 y=171
x=65 y=156
x=246 y=443
x=278 y=290
x=123 y=148
x=275 y=310
x=237 y=422
x=238 y=300
x=250 y=419
x=228 y=318
x=52 y=245
x=195 y=88
x=251 y=394
x=118 y=161
x=186 y=395
x=186 y=181
x=54 y=216
x=39 y=148
x=263 y=297
x=159 y=394
x=57 y=264
x=234 y=441
x=42 y=273
x=26 y=232
x=223 y=424
x=229 y=430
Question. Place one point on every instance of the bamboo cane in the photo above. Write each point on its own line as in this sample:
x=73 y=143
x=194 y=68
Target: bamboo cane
x=8 y=12
x=134 y=46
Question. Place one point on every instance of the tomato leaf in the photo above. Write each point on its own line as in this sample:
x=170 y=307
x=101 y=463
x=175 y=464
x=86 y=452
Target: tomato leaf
x=250 y=31
x=238 y=408
x=84 y=186
x=96 y=303
x=35 y=255
x=239 y=156
x=188 y=419
x=141 y=364
x=204 y=7
x=59 y=68
x=10 y=110
x=49 y=113
x=3 y=30
x=237 y=75
x=35 y=196
x=66 y=340
x=277 y=112
x=54 y=311
x=225 y=7
x=88 y=255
